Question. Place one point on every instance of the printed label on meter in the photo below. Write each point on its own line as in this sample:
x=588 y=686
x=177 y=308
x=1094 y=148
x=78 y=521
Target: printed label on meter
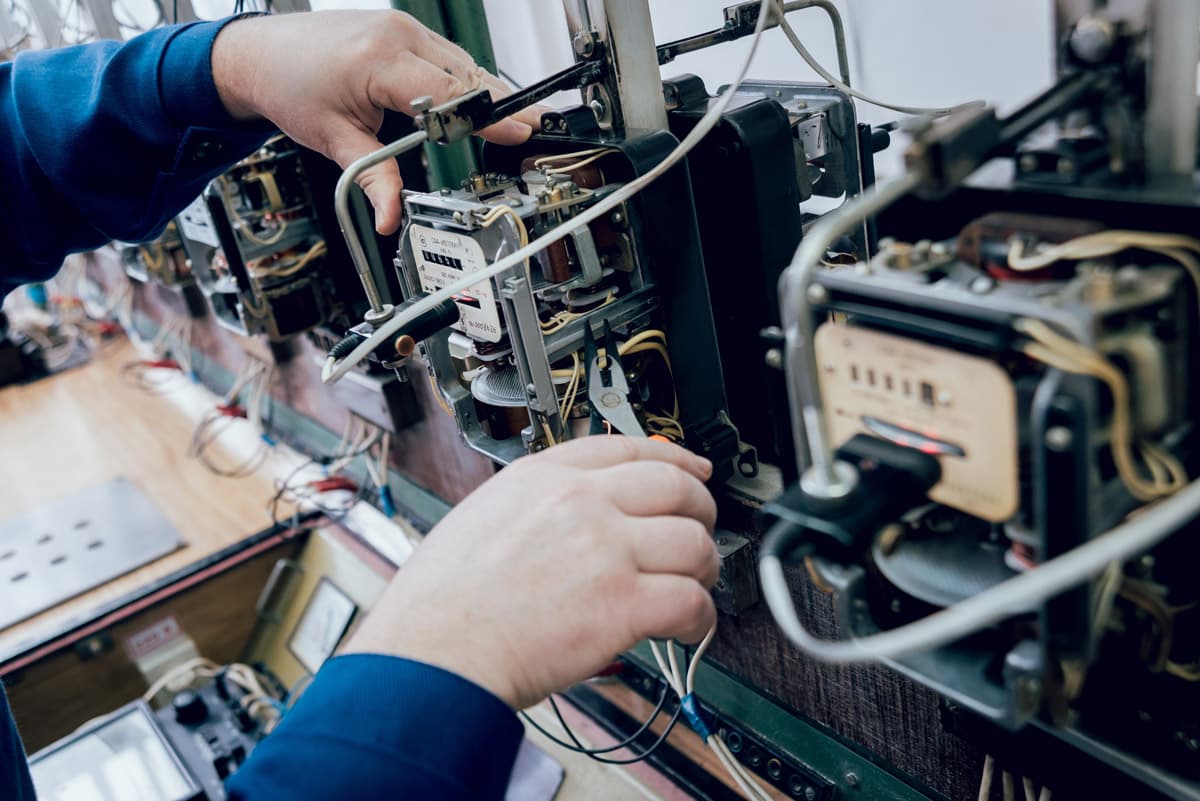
x=442 y=258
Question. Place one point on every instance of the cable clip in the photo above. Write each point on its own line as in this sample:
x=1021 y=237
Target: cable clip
x=690 y=705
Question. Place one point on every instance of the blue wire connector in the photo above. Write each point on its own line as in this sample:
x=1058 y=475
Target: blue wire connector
x=690 y=705
x=385 y=501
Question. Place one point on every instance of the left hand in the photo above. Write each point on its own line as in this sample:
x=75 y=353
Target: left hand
x=356 y=65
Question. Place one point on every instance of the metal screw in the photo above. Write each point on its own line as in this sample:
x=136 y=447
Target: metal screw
x=852 y=779
x=982 y=285
x=774 y=359
x=531 y=390
x=1059 y=438
x=617 y=218
x=1065 y=168
x=810 y=794
x=584 y=44
x=817 y=294
x=1028 y=163
x=1093 y=38
x=458 y=217
x=598 y=109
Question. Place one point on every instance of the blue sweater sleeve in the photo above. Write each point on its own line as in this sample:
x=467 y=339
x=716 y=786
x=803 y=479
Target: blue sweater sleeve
x=108 y=141
x=377 y=727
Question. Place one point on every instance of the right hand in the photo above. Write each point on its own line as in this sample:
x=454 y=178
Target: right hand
x=356 y=64
x=552 y=568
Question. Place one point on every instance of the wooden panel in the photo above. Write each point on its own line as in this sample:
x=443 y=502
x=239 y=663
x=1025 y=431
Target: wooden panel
x=87 y=426
x=55 y=695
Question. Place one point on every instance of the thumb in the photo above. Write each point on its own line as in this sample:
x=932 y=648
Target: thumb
x=381 y=183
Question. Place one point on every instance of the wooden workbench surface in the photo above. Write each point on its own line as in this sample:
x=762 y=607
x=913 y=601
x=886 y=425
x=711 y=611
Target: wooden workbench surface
x=87 y=426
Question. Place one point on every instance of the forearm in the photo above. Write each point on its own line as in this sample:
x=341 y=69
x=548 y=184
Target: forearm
x=109 y=141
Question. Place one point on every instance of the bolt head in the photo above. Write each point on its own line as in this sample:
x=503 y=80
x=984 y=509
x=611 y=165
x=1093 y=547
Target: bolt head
x=982 y=285
x=584 y=44
x=852 y=779
x=1028 y=163
x=774 y=359
x=1059 y=438
x=817 y=294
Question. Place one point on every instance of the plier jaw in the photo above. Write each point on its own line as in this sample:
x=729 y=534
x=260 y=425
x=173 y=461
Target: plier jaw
x=608 y=389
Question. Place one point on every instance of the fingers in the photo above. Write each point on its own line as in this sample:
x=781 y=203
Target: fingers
x=649 y=489
x=406 y=77
x=678 y=545
x=671 y=607
x=381 y=183
x=606 y=451
x=452 y=62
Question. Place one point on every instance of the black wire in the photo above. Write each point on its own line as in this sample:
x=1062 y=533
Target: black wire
x=174 y=12
x=662 y=699
x=595 y=753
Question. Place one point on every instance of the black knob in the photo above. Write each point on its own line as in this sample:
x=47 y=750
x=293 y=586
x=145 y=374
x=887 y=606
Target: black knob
x=190 y=709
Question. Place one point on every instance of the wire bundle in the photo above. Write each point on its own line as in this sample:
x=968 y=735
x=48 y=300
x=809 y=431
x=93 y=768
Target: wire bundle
x=255 y=699
x=317 y=487
x=1008 y=784
x=255 y=380
x=681 y=683
x=1055 y=350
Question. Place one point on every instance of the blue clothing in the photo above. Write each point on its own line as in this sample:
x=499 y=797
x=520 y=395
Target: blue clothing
x=109 y=141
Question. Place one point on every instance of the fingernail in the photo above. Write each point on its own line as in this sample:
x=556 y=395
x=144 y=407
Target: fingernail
x=704 y=465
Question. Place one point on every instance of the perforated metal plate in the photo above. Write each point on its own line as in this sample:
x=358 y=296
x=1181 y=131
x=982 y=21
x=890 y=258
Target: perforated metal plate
x=75 y=544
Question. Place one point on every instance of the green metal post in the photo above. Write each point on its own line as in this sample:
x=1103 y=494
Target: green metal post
x=465 y=23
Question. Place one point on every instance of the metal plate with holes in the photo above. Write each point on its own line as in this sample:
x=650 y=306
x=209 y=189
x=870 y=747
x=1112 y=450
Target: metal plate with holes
x=72 y=545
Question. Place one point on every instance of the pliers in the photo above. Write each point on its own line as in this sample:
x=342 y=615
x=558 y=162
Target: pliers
x=608 y=389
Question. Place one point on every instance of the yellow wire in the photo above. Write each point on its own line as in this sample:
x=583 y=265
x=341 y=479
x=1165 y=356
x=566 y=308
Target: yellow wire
x=585 y=162
x=315 y=252
x=567 y=156
x=1106 y=243
x=1057 y=351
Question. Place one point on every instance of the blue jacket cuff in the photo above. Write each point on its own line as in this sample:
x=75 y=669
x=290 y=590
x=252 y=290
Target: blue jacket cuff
x=383 y=727
x=188 y=93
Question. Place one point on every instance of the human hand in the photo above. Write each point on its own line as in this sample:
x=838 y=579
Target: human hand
x=552 y=568
x=359 y=63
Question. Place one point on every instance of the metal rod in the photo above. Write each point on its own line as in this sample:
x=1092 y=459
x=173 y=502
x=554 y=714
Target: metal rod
x=669 y=51
x=631 y=51
x=341 y=203
x=839 y=30
x=809 y=430
x=1171 y=122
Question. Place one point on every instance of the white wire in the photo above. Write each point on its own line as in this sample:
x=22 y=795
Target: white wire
x=675 y=678
x=1010 y=597
x=335 y=370
x=777 y=11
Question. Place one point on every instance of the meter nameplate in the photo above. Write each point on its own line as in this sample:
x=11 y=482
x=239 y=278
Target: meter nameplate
x=443 y=257
x=958 y=407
